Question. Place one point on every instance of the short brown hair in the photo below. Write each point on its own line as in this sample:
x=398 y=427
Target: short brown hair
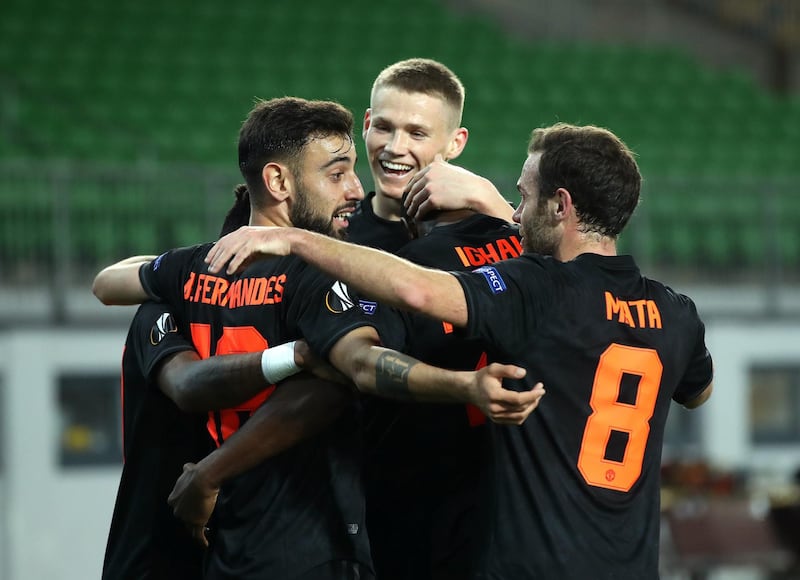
x=426 y=76
x=279 y=129
x=597 y=169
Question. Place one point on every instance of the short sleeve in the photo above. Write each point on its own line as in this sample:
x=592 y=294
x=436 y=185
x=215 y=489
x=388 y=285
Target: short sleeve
x=153 y=336
x=700 y=370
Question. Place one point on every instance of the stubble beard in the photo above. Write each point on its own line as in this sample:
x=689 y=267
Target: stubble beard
x=303 y=216
x=539 y=234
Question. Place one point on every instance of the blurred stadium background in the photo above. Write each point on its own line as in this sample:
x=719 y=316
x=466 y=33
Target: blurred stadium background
x=119 y=124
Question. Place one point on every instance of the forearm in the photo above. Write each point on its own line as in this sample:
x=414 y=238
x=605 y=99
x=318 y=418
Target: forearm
x=390 y=280
x=391 y=374
x=300 y=408
x=219 y=382
x=119 y=283
x=388 y=373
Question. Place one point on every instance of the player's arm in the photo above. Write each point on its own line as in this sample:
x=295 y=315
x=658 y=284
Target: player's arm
x=300 y=407
x=119 y=284
x=442 y=186
x=389 y=373
x=222 y=382
x=380 y=275
x=701 y=398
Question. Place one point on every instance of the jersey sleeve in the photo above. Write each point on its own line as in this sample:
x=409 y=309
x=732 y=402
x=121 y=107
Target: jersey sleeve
x=154 y=336
x=499 y=298
x=162 y=279
x=700 y=371
x=328 y=310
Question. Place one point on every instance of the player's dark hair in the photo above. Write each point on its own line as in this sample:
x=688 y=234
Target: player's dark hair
x=597 y=169
x=277 y=130
x=239 y=214
x=426 y=76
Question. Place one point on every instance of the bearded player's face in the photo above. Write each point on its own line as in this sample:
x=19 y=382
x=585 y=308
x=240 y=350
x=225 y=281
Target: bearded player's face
x=538 y=225
x=327 y=186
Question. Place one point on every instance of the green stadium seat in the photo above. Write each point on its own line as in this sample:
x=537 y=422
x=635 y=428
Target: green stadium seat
x=172 y=89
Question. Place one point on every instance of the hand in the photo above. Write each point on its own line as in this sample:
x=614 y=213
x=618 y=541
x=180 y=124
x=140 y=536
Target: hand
x=503 y=405
x=441 y=186
x=193 y=499
x=246 y=245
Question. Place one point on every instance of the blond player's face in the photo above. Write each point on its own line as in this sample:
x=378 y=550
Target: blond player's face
x=403 y=132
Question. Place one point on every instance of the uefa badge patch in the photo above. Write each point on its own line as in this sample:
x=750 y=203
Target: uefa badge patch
x=493 y=278
x=163 y=326
x=338 y=298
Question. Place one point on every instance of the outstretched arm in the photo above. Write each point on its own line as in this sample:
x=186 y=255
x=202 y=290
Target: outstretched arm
x=442 y=186
x=380 y=275
x=118 y=284
x=300 y=407
x=388 y=373
x=222 y=382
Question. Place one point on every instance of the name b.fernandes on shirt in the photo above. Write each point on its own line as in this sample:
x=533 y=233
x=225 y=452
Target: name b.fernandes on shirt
x=216 y=291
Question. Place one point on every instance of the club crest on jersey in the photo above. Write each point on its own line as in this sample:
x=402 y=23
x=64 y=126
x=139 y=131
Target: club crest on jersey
x=338 y=299
x=368 y=307
x=163 y=326
x=493 y=278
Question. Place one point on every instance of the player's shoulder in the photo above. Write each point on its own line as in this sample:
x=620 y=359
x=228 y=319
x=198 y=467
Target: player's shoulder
x=671 y=296
x=183 y=254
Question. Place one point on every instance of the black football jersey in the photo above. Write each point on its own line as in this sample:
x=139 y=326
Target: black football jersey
x=145 y=539
x=575 y=489
x=424 y=461
x=367 y=229
x=304 y=506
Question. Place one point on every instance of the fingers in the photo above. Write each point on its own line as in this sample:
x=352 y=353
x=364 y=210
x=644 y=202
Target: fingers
x=226 y=251
x=512 y=407
x=507 y=371
x=198 y=532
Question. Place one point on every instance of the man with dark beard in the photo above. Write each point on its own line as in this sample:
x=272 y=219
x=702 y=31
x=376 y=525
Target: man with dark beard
x=574 y=492
x=300 y=514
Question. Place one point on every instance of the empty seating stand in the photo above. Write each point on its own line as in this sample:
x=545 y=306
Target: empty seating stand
x=163 y=84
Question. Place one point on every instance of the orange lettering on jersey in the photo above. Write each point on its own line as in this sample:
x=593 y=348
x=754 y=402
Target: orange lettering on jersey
x=496 y=251
x=507 y=249
x=448 y=328
x=490 y=253
x=279 y=280
x=462 y=256
x=187 y=287
x=218 y=291
x=220 y=294
x=647 y=313
x=653 y=315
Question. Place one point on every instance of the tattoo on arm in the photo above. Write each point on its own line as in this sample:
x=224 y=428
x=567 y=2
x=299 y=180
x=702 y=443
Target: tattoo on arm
x=391 y=375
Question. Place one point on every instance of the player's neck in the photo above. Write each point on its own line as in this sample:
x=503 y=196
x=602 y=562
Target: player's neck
x=269 y=218
x=386 y=207
x=578 y=243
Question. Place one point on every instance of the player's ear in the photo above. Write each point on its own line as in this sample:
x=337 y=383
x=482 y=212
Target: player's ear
x=457 y=143
x=277 y=180
x=563 y=200
x=367 y=123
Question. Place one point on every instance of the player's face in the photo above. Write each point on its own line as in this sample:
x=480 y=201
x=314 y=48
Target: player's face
x=539 y=228
x=327 y=187
x=403 y=133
